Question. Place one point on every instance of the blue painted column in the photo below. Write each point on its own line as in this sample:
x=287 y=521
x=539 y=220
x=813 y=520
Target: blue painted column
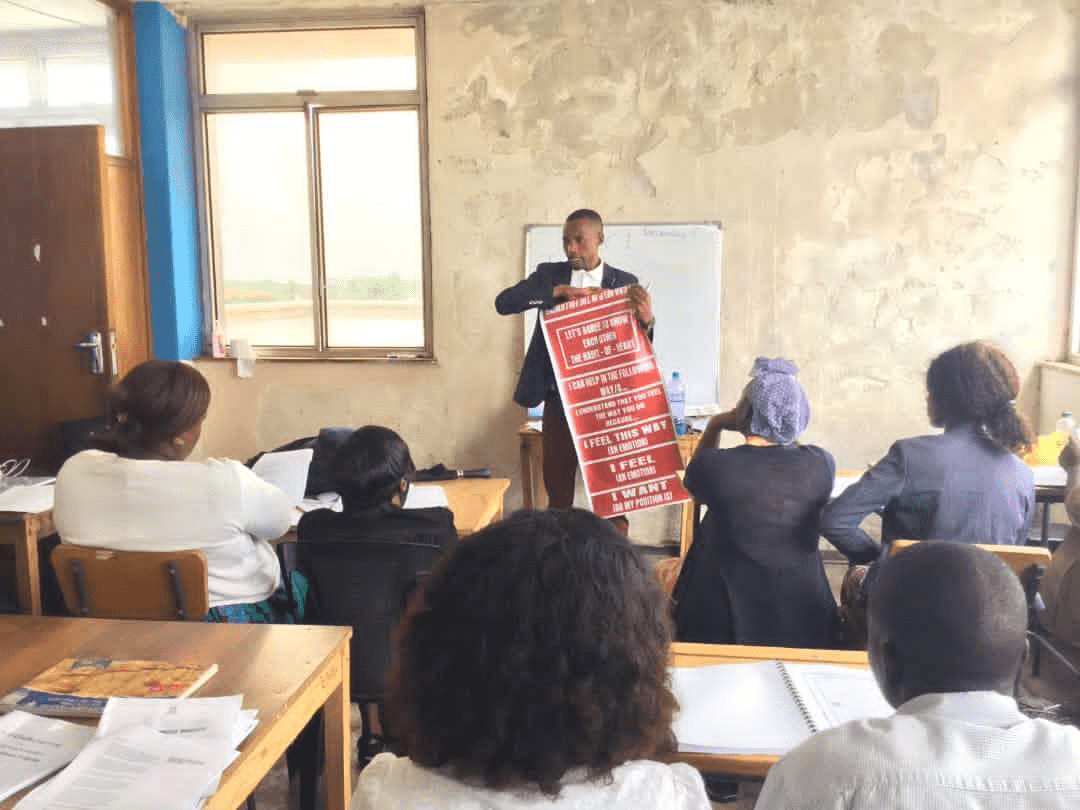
x=161 y=63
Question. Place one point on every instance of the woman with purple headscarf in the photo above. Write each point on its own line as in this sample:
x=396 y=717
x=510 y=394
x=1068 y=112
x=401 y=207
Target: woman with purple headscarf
x=754 y=574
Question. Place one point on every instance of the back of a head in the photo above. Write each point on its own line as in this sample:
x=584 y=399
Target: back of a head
x=156 y=401
x=539 y=645
x=779 y=409
x=977 y=383
x=946 y=617
x=368 y=468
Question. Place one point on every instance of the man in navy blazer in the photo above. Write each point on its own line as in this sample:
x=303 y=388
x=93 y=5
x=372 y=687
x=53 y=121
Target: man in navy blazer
x=550 y=284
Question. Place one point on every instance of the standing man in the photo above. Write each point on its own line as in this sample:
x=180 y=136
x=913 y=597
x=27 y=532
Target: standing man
x=582 y=274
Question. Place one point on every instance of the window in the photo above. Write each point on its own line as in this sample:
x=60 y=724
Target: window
x=314 y=188
x=59 y=65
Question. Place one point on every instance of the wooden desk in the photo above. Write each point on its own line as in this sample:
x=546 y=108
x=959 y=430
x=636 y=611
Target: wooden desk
x=287 y=672
x=475 y=502
x=1018 y=558
x=22 y=531
x=534 y=496
x=754 y=766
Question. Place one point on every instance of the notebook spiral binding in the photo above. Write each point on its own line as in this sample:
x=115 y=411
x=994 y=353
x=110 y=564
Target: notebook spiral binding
x=797 y=697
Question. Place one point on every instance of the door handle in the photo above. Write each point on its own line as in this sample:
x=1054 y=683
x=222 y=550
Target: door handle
x=93 y=345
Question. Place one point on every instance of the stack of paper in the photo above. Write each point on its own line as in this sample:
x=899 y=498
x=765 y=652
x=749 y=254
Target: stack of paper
x=32 y=499
x=32 y=747
x=168 y=755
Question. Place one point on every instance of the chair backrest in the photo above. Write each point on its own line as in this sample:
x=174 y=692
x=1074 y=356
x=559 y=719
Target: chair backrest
x=1019 y=558
x=106 y=584
x=365 y=584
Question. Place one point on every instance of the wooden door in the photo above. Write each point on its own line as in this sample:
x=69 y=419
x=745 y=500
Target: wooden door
x=55 y=228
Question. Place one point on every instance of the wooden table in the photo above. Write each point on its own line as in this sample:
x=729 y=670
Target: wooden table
x=475 y=502
x=534 y=496
x=754 y=766
x=286 y=672
x=22 y=531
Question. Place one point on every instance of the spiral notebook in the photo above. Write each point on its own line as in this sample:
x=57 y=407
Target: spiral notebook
x=768 y=707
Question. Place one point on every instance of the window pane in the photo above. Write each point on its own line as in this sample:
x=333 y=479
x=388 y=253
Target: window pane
x=261 y=226
x=14 y=85
x=324 y=61
x=60 y=67
x=71 y=82
x=373 y=246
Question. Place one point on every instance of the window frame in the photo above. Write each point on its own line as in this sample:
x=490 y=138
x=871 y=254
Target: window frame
x=211 y=283
x=1072 y=314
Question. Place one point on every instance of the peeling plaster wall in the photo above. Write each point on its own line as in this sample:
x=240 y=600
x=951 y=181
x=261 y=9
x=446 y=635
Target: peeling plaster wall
x=893 y=178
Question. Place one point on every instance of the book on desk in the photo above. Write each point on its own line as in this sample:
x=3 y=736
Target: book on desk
x=768 y=707
x=80 y=687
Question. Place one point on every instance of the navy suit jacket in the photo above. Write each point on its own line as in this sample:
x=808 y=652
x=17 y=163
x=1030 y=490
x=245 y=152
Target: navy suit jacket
x=537 y=379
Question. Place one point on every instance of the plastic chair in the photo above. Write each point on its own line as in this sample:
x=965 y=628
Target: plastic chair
x=106 y=584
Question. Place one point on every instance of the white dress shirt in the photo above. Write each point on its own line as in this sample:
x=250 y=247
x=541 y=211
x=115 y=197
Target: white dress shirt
x=953 y=751
x=396 y=783
x=217 y=506
x=588 y=278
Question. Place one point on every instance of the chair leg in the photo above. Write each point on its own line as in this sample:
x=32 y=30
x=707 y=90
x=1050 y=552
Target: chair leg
x=250 y=804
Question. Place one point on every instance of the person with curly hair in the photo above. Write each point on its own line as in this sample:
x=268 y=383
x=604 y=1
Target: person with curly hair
x=532 y=671
x=966 y=484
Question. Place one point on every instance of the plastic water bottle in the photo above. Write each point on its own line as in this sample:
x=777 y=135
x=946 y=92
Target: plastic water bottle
x=676 y=395
x=1065 y=423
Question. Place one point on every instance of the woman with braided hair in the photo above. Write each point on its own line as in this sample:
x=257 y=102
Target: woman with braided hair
x=966 y=484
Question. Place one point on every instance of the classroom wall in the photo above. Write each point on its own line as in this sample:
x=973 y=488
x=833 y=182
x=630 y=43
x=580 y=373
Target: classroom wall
x=893 y=178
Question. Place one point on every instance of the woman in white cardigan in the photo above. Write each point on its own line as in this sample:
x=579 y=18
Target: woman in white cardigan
x=137 y=491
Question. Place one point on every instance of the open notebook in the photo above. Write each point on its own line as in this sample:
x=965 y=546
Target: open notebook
x=768 y=707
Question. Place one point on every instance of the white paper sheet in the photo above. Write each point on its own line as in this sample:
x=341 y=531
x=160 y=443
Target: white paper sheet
x=424 y=495
x=133 y=769
x=287 y=470
x=214 y=718
x=32 y=747
x=33 y=499
x=1048 y=475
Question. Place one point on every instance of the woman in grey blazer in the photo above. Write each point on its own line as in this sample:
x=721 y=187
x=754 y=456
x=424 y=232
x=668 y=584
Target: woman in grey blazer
x=966 y=484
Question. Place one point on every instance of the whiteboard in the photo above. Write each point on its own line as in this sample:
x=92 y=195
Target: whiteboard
x=679 y=264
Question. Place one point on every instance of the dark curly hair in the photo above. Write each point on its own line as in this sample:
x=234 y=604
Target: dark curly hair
x=976 y=383
x=369 y=466
x=539 y=645
x=155 y=402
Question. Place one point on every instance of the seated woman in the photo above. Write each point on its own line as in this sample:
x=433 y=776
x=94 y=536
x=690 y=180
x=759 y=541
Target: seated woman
x=966 y=484
x=371 y=471
x=532 y=672
x=754 y=574
x=364 y=561
x=137 y=492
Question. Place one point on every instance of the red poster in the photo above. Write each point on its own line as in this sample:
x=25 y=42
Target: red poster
x=615 y=404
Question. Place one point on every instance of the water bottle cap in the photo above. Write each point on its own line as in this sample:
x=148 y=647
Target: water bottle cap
x=1066 y=413
x=674 y=375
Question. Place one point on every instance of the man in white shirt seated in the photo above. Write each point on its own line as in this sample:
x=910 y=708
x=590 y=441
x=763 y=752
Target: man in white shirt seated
x=947 y=626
